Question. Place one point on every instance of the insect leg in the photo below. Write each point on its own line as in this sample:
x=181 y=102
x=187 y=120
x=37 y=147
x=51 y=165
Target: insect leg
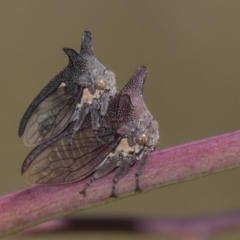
x=81 y=115
x=121 y=172
x=104 y=106
x=95 y=118
x=141 y=163
x=83 y=192
x=106 y=168
x=104 y=102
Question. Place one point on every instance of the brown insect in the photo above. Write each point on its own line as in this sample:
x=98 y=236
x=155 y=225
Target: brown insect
x=129 y=135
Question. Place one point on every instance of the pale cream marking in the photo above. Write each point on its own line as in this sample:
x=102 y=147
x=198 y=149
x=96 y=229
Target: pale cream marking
x=124 y=148
x=63 y=84
x=88 y=97
x=137 y=148
x=60 y=91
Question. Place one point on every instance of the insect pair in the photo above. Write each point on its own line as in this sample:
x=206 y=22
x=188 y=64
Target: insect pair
x=81 y=126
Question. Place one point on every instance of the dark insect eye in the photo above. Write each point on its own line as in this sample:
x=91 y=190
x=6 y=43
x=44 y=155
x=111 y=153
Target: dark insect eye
x=99 y=84
x=141 y=139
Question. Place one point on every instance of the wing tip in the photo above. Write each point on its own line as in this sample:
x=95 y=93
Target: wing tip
x=21 y=128
x=23 y=169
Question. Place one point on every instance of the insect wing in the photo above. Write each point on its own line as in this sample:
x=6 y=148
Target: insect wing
x=56 y=104
x=52 y=115
x=62 y=163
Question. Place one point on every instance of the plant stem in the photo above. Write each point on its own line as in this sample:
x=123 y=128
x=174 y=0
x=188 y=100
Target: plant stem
x=29 y=207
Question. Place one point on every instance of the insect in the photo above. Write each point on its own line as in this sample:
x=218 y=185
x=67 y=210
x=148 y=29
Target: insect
x=129 y=135
x=84 y=86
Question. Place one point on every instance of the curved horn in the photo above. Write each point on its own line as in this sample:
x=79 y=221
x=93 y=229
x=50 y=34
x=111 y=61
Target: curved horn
x=74 y=57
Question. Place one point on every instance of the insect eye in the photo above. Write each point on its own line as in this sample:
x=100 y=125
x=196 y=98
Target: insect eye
x=99 y=84
x=141 y=139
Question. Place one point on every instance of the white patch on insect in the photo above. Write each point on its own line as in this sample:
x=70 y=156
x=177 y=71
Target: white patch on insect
x=87 y=97
x=61 y=89
x=63 y=84
x=124 y=148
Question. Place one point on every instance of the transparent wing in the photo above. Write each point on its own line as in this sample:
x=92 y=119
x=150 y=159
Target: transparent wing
x=62 y=163
x=52 y=115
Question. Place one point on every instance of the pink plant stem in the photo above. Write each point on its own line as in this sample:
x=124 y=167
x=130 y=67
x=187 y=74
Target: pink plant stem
x=29 y=207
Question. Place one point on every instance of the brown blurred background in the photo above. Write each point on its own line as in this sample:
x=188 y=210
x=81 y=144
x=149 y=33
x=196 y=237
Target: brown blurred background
x=192 y=51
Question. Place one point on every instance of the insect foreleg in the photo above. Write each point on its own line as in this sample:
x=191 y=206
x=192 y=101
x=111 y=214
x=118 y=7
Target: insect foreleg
x=94 y=114
x=123 y=169
x=103 y=170
x=104 y=102
x=81 y=117
x=104 y=106
x=140 y=166
x=95 y=117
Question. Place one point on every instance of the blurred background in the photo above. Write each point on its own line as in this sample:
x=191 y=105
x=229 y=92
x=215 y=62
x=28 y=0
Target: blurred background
x=192 y=51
